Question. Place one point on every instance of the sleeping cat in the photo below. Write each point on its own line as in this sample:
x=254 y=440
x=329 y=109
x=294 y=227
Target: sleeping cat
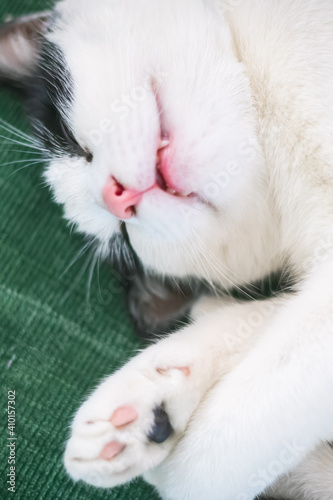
x=193 y=140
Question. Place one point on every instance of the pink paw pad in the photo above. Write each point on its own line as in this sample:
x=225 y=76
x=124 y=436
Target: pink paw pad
x=111 y=450
x=184 y=369
x=123 y=415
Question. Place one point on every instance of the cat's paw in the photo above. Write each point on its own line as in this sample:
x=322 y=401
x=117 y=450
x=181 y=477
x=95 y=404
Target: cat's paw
x=131 y=422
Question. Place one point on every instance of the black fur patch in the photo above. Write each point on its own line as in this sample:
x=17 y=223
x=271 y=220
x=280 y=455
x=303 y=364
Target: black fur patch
x=45 y=85
x=270 y=498
x=281 y=281
x=162 y=428
x=159 y=305
x=48 y=93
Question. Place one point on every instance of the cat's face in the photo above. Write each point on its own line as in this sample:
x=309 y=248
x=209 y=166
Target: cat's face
x=150 y=116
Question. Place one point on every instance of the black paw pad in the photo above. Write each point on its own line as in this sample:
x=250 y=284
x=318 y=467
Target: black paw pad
x=162 y=428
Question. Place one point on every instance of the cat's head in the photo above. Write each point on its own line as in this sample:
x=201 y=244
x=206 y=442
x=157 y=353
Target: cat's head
x=148 y=114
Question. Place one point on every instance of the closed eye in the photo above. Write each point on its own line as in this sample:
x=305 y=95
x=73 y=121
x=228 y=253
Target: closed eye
x=69 y=137
x=68 y=134
x=48 y=92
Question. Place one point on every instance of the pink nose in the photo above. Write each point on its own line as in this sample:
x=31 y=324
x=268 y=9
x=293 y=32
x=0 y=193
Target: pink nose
x=120 y=201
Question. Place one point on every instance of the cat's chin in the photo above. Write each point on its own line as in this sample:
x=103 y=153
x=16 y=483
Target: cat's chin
x=168 y=209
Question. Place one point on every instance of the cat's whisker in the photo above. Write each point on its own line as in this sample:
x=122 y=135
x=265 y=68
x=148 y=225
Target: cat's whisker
x=176 y=284
x=207 y=278
x=241 y=289
x=71 y=227
x=57 y=152
x=32 y=143
x=22 y=151
x=224 y=277
x=77 y=257
x=78 y=278
x=201 y=266
x=91 y=273
x=98 y=273
x=15 y=141
x=211 y=258
x=36 y=160
x=22 y=168
x=13 y=130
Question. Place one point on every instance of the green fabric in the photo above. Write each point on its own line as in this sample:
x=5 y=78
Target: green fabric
x=55 y=344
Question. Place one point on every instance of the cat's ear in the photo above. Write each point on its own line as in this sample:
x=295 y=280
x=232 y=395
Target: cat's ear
x=20 y=46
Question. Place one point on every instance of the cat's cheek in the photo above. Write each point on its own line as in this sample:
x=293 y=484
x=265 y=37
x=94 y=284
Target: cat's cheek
x=94 y=221
x=77 y=188
x=66 y=178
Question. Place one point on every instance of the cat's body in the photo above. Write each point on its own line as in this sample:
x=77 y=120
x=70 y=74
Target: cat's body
x=234 y=105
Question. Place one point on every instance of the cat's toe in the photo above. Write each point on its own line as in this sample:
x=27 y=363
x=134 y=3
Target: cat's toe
x=111 y=450
x=123 y=415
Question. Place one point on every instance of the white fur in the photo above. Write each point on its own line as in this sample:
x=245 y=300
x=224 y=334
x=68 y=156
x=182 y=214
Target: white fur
x=246 y=94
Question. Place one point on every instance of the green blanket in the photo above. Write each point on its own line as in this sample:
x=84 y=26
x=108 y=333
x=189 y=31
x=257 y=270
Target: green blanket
x=56 y=344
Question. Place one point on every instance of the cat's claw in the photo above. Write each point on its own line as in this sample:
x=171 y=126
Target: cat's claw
x=129 y=424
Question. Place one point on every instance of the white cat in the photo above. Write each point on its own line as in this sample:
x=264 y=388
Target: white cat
x=201 y=131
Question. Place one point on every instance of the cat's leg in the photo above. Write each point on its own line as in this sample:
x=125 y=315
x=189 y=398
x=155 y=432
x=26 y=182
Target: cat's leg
x=267 y=415
x=311 y=480
x=136 y=416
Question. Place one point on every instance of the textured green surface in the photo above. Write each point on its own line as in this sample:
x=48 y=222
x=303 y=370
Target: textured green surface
x=54 y=345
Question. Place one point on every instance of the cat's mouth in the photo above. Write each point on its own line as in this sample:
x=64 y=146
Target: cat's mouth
x=167 y=185
x=122 y=202
x=162 y=183
x=163 y=178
